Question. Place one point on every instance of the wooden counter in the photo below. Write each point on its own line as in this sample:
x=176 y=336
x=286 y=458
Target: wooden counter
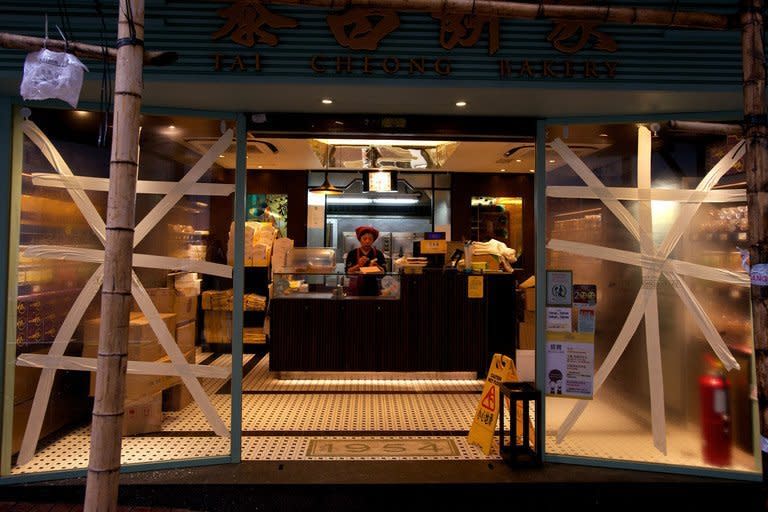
x=432 y=327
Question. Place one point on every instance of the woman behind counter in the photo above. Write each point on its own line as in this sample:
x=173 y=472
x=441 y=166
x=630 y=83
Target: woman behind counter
x=366 y=256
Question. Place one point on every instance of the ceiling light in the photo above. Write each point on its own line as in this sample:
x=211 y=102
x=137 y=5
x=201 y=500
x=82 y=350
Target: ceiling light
x=171 y=127
x=326 y=189
x=349 y=200
x=503 y=170
x=531 y=170
x=259 y=166
x=551 y=161
x=395 y=200
x=461 y=103
x=81 y=113
x=221 y=156
x=603 y=135
x=382 y=142
x=518 y=160
x=327 y=101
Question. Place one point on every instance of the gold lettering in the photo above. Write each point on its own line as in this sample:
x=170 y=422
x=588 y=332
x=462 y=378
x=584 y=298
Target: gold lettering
x=546 y=69
x=526 y=69
x=589 y=70
x=315 y=65
x=568 y=69
x=367 y=65
x=217 y=62
x=505 y=68
x=391 y=70
x=340 y=68
x=610 y=67
x=238 y=62
x=443 y=67
x=416 y=65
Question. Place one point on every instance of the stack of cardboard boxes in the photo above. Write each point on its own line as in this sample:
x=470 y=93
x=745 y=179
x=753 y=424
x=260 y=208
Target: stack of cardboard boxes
x=148 y=395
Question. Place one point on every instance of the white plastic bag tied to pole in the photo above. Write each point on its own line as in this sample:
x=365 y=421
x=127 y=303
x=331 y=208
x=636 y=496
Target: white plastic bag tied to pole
x=52 y=75
x=653 y=263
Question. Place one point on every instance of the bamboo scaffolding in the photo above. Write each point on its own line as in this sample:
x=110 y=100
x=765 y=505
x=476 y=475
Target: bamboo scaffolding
x=756 y=169
x=81 y=50
x=531 y=11
x=116 y=300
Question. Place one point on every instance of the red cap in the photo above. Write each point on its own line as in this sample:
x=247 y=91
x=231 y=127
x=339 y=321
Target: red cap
x=361 y=230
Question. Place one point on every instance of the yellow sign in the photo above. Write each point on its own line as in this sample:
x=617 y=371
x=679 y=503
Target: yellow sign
x=475 y=287
x=484 y=425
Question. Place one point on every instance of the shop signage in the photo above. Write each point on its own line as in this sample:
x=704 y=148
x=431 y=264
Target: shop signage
x=249 y=22
x=475 y=287
x=559 y=288
x=570 y=364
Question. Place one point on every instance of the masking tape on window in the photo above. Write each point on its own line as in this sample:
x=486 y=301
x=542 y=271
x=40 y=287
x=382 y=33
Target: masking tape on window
x=181 y=188
x=646 y=302
x=44 y=179
x=88 y=364
x=177 y=357
x=79 y=196
x=58 y=252
x=654 y=194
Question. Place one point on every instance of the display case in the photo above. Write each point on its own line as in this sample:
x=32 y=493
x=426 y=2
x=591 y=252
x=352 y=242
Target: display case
x=311 y=260
x=306 y=285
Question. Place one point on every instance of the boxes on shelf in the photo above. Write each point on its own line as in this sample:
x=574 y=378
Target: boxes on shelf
x=217 y=327
x=176 y=398
x=143 y=416
x=527 y=339
x=259 y=237
x=185 y=336
x=168 y=300
x=139 y=329
x=529 y=289
x=223 y=301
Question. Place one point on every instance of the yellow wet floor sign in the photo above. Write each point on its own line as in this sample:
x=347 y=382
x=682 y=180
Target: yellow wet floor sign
x=484 y=425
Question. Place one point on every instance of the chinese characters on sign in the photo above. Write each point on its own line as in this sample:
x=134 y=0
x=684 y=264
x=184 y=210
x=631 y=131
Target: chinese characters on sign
x=248 y=22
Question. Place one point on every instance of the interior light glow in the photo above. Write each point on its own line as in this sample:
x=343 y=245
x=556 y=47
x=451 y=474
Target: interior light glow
x=327 y=101
x=461 y=103
x=395 y=200
x=349 y=200
x=383 y=142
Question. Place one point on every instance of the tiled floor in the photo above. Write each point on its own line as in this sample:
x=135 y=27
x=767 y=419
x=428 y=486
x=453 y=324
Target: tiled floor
x=285 y=419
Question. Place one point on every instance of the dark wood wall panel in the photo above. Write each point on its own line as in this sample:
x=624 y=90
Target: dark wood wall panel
x=466 y=185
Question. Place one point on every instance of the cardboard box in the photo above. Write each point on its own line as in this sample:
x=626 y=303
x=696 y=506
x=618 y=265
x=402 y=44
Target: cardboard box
x=139 y=329
x=139 y=387
x=527 y=339
x=185 y=336
x=139 y=351
x=491 y=261
x=185 y=308
x=530 y=299
x=176 y=398
x=143 y=416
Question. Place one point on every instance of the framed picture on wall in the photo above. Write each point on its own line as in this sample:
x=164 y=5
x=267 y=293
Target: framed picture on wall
x=268 y=208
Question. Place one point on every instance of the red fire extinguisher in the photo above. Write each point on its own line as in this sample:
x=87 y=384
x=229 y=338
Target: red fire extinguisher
x=715 y=418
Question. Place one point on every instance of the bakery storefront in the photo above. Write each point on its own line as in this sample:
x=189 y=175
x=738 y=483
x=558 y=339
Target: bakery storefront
x=524 y=187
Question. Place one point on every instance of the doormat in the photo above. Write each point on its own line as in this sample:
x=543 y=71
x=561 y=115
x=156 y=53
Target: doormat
x=381 y=447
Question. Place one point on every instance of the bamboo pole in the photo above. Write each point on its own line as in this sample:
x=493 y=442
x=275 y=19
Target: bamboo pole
x=81 y=50
x=755 y=166
x=530 y=11
x=107 y=422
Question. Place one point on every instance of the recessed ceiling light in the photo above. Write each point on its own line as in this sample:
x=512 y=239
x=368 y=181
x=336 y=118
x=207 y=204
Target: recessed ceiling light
x=172 y=127
x=551 y=161
x=259 y=166
x=503 y=170
x=603 y=135
x=461 y=103
x=327 y=101
x=221 y=156
x=518 y=160
x=531 y=170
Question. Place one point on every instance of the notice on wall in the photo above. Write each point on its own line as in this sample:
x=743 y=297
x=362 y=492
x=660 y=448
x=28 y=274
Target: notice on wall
x=570 y=364
x=586 y=319
x=315 y=216
x=559 y=288
x=559 y=319
x=475 y=287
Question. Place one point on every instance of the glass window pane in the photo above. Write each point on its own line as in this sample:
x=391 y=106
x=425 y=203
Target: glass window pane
x=60 y=246
x=622 y=215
